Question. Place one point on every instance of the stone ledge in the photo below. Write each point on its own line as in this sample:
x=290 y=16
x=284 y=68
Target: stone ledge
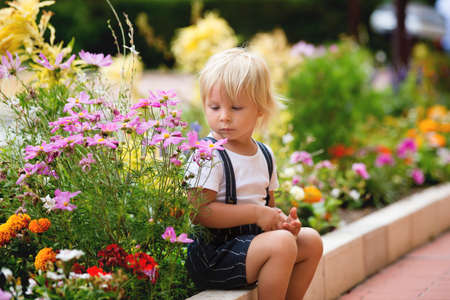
x=356 y=251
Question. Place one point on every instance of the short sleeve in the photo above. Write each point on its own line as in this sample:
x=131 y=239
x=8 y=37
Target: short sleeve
x=208 y=176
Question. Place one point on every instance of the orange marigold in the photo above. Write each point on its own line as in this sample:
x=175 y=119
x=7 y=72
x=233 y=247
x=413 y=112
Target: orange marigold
x=5 y=234
x=436 y=140
x=39 y=226
x=18 y=221
x=312 y=194
x=445 y=127
x=428 y=125
x=44 y=258
x=437 y=112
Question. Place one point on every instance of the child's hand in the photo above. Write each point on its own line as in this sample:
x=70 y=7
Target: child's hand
x=292 y=223
x=269 y=218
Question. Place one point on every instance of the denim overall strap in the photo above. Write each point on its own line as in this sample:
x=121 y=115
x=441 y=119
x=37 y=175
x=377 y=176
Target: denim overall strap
x=230 y=181
x=269 y=161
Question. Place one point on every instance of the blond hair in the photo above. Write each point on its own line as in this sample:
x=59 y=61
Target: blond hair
x=240 y=71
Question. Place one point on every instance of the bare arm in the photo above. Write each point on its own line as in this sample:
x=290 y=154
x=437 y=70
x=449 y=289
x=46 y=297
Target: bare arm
x=215 y=214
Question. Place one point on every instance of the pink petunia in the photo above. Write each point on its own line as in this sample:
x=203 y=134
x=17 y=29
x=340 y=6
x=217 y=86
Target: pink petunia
x=302 y=157
x=86 y=162
x=192 y=141
x=99 y=140
x=418 y=176
x=360 y=169
x=109 y=127
x=83 y=98
x=10 y=66
x=384 y=159
x=167 y=138
x=406 y=147
x=99 y=59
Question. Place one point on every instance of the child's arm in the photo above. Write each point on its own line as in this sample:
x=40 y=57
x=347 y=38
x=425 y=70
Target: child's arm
x=215 y=214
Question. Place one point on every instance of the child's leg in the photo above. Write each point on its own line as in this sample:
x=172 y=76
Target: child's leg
x=309 y=245
x=270 y=260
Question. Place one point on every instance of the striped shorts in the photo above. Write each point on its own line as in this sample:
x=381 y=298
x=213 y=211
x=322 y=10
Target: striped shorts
x=219 y=266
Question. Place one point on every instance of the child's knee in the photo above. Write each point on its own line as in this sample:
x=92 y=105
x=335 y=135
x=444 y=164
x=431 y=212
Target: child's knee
x=284 y=244
x=312 y=240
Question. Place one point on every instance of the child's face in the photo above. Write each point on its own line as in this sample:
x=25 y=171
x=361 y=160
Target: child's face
x=227 y=120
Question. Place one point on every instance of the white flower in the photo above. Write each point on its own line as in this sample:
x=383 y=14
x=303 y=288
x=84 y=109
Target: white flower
x=286 y=185
x=31 y=284
x=335 y=192
x=49 y=202
x=288 y=172
x=297 y=192
x=7 y=272
x=299 y=168
x=73 y=275
x=67 y=254
x=354 y=194
x=54 y=276
x=287 y=138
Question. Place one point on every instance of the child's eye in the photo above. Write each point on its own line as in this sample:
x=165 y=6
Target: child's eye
x=237 y=108
x=214 y=107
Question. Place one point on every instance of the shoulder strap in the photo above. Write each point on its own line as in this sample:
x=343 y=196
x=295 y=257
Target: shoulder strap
x=230 y=181
x=269 y=161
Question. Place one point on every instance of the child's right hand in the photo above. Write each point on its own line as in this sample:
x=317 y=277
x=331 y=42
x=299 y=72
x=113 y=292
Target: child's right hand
x=292 y=223
x=269 y=218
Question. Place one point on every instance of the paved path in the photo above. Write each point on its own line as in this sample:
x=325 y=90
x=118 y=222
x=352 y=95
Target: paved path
x=423 y=274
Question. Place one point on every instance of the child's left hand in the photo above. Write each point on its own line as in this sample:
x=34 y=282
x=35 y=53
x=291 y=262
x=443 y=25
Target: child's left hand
x=292 y=223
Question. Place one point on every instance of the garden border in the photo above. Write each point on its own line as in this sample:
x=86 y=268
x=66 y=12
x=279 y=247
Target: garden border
x=360 y=249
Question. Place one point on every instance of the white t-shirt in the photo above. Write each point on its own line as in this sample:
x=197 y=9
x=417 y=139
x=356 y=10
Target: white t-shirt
x=250 y=171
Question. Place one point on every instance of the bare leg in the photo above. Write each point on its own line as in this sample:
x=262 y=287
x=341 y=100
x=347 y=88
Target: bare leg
x=270 y=259
x=309 y=245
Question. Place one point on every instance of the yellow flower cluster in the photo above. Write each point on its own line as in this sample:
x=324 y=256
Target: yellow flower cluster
x=15 y=223
x=39 y=226
x=44 y=259
x=193 y=45
x=18 y=27
x=433 y=127
x=275 y=49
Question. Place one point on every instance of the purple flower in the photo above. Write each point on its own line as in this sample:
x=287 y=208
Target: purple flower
x=303 y=49
x=86 y=162
x=303 y=157
x=360 y=169
x=5 y=295
x=417 y=176
x=169 y=235
x=406 y=147
x=324 y=164
x=167 y=138
x=62 y=200
x=83 y=98
x=99 y=140
x=44 y=61
x=10 y=66
x=109 y=127
x=192 y=138
x=99 y=59
x=384 y=159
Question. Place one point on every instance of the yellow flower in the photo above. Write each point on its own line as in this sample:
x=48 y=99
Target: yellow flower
x=5 y=234
x=428 y=125
x=18 y=222
x=276 y=51
x=193 y=45
x=312 y=194
x=437 y=112
x=44 y=259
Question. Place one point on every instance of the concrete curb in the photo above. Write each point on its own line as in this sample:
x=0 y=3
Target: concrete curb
x=358 y=250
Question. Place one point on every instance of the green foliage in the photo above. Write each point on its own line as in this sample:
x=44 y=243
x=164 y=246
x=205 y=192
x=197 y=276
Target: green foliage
x=330 y=95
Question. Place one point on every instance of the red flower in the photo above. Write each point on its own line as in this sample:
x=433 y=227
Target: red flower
x=143 y=265
x=96 y=271
x=78 y=269
x=112 y=256
x=340 y=150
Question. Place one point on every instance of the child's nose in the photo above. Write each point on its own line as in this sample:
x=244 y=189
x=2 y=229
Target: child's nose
x=225 y=115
